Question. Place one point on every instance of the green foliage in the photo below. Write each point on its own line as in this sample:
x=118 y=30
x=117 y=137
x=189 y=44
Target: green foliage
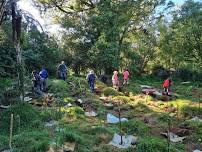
x=153 y=144
x=59 y=87
x=189 y=111
x=122 y=99
x=109 y=91
x=73 y=111
x=28 y=115
x=48 y=114
x=31 y=141
x=71 y=136
x=69 y=99
x=135 y=127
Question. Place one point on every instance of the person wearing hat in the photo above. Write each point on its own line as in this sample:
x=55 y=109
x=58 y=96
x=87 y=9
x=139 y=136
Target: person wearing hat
x=91 y=77
x=115 y=80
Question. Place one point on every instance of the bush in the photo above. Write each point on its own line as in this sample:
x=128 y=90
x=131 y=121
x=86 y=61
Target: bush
x=58 y=86
x=189 y=111
x=135 y=127
x=109 y=91
x=73 y=111
x=28 y=116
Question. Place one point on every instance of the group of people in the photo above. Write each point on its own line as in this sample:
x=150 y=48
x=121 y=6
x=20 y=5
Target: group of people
x=39 y=79
x=91 y=77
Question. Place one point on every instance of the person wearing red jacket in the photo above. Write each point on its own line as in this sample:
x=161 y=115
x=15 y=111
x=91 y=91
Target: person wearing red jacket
x=166 y=85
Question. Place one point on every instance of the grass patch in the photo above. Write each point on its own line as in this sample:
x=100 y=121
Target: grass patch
x=28 y=115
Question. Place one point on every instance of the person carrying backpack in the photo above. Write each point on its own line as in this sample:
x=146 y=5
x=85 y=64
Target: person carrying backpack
x=43 y=75
x=91 y=77
x=62 y=71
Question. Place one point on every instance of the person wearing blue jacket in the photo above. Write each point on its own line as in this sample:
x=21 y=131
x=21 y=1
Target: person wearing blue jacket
x=91 y=77
x=43 y=75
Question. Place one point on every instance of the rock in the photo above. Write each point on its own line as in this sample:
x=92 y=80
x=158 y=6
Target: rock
x=27 y=99
x=197 y=150
x=69 y=147
x=51 y=123
x=109 y=105
x=113 y=119
x=90 y=113
x=196 y=119
x=186 y=82
x=173 y=137
x=134 y=140
x=68 y=105
x=145 y=87
x=128 y=141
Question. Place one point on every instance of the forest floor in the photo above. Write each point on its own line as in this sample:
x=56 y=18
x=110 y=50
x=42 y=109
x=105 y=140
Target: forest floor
x=64 y=122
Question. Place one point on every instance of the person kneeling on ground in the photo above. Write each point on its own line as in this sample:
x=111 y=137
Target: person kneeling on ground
x=36 y=82
x=91 y=80
x=43 y=75
x=115 y=80
x=166 y=85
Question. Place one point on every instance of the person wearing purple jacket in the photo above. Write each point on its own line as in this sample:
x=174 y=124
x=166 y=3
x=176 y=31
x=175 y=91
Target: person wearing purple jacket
x=43 y=76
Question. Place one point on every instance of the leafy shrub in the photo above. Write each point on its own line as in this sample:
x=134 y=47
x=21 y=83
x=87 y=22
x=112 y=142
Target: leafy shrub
x=109 y=91
x=189 y=111
x=27 y=113
x=73 y=111
x=135 y=127
x=34 y=141
x=58 y=86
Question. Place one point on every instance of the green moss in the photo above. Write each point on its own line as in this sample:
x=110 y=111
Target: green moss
x=109 y=91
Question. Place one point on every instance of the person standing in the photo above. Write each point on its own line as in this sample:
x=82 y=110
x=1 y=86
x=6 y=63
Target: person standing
x=43 y=75
x=91 y=77
x=125 y=77
x=36 y=83
x=62 y=71
x=115 y=80
x=166 y=85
